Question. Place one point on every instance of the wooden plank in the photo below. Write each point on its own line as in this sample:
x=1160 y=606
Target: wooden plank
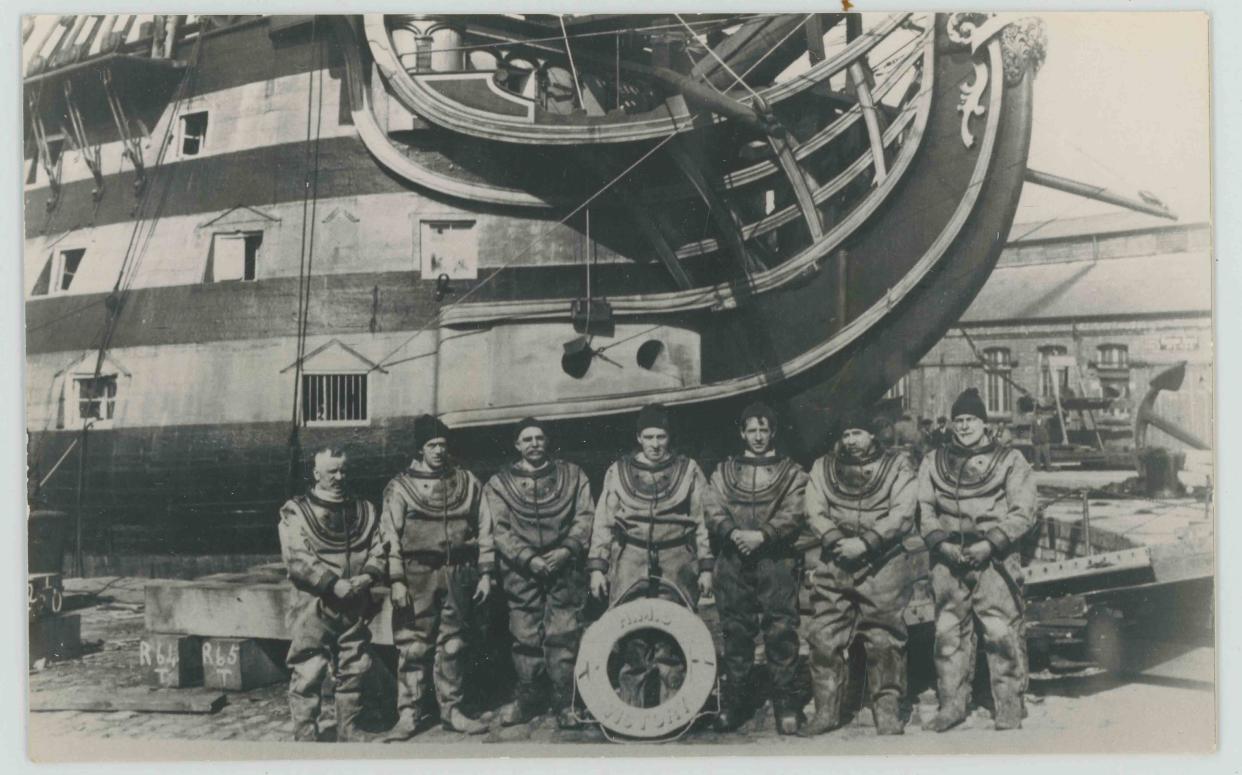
x=109 y=700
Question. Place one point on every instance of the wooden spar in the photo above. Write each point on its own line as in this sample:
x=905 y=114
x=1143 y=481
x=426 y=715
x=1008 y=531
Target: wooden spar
x=105 y=32
x=800 y=182
x=1098 y=193
x=28 y=26
x=728 y=224
x=170 y=35
x=867 y=103
x=815 y=39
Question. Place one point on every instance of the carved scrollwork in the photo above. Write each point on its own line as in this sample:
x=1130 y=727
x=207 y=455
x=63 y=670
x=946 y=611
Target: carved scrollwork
x=1024 y=45
x=960 y=27
x=970 y=104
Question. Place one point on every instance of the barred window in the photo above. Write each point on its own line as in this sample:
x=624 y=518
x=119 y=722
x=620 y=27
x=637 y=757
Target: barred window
x=334 y=399
x=999 y=390
x=1047 y=372
x=193 y=133
x=1114 y=356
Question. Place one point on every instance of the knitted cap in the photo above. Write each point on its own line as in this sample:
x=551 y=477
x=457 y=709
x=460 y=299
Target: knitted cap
x=761 y=410
x=652 y=416
x=862 y=417
x=970 y=403
x=528 y=422
x=427 y=428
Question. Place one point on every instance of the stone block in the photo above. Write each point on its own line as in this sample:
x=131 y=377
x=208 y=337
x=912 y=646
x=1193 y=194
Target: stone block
x=240 y=664
x=171 y=661
x=55 y=637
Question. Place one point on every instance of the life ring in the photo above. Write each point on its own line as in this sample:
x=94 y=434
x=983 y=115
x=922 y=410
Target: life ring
x=670 y=716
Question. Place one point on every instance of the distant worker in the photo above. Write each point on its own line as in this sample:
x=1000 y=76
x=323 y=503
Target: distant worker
x=651 y=520
x=940 y=436
x=906 y=435
x=1041 y=439
x=757 y=574
x=927 y=441
x=440 y=560
x=976 y=502
x=541 y=513
x=331 y=546
x=861 y=504
x=1003 y=435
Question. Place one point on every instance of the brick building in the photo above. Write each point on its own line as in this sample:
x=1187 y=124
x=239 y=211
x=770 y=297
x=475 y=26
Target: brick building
x=1124 y=295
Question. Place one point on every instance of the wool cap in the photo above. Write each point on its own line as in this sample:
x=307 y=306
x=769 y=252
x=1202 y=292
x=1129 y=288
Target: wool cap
x=652 y=416
x=758 y=409
x=528 y=422
x=863 y=417
x=426 y=428
x=970 y=403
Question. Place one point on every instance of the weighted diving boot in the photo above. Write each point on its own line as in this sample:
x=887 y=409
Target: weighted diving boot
x=829 y=690
x=788 y=719
x=456 y=721
x=522 y=710
x=950 y=715
x=887 y=712
x=1009 y=712
x=409 y=724
x=348 y=711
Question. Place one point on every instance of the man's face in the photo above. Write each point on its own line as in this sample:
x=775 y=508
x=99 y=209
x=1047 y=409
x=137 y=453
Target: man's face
x=758 y=435
x=435 y=453
x=968 y=429
x=654 y=443
x=329 y=473
x=857 y=440
x=532 y=445
x=941 y=423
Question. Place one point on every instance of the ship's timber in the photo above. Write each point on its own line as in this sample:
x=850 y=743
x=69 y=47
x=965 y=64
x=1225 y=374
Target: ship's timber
x=828 y=320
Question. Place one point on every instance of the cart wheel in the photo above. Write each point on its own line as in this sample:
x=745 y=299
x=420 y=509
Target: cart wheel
x=58 y=600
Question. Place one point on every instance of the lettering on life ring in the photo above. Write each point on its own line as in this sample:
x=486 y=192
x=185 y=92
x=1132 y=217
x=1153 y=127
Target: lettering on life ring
x=598 y=642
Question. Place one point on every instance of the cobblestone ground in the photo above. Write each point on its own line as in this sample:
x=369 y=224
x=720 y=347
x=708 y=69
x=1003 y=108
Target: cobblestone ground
x=1081 y=711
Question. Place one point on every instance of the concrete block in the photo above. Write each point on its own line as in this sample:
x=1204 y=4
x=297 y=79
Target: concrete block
x=170 y=661
x=55 y=636
x=240 y=664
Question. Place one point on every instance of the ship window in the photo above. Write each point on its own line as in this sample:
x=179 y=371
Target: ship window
x=67 y=268
x=449 y=248
x=193 y=133
x=649 y=352
x=998 y=388
x=235 y=256
x=96 y=399
x=334 y=399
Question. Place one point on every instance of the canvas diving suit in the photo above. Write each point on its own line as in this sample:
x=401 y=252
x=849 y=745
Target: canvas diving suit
x=322 y=542
x=652 y=518
x=439 y=547
x=871 y=496
x=985 y=492
x=759 y=592
x=533 y=512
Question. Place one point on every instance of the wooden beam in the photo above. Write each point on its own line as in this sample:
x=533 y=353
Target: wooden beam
x=728 y=224
x=861 y=83
x=800 y=182
x=107 y=700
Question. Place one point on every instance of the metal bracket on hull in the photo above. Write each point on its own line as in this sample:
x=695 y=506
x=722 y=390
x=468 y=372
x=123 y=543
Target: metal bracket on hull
x=133 y=147
x=77 y=130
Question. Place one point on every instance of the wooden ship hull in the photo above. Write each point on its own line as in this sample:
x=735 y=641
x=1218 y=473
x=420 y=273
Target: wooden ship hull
x=246 y=238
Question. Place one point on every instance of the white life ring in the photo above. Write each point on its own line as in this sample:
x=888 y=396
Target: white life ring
x=669 y=717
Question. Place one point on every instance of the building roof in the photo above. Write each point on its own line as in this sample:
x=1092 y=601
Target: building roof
x=1160 y=284
x=1088 y=225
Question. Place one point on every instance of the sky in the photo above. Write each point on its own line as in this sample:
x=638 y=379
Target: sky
x=1122 y=101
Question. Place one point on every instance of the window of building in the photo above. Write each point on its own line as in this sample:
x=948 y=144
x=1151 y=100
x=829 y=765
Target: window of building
x=235 y=255
x=898 y=390
x=193 y=133
x=95 y=398
x=1049 y=372
x=334 y=399
x=999 y=389
x=1114 y=356
x=450 y=248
